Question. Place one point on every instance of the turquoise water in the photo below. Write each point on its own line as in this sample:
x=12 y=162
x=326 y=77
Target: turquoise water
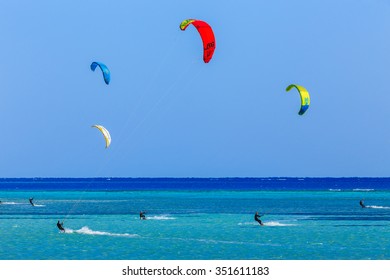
x=195 y=224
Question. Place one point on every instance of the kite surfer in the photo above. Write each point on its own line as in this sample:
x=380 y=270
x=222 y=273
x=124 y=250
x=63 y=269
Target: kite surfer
x=362 y=204
x=142 y=215
x=257 y=216
x=60 y=226
x=31 y=201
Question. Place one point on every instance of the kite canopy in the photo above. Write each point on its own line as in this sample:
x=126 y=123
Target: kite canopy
x=207 y=35
x=105 y=133
x=305 y=97
x=105 y=71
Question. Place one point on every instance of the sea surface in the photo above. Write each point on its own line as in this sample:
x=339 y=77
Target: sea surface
x=195 y=219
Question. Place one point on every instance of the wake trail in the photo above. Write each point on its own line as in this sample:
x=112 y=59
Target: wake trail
x=12 y=203
x=86 y=230
x=160 y=217
x=377 y=207
x=270 y=224
x=21 y=203
x=278 y=224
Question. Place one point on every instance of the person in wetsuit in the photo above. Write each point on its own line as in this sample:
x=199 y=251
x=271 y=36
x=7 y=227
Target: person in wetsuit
x=142 y=215
x=60 y=226
x=31 y=201
x=257 y=216
x=362 y=204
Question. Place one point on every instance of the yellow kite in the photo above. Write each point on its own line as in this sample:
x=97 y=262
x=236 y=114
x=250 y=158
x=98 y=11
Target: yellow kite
x=305 y=97
x=105 y=133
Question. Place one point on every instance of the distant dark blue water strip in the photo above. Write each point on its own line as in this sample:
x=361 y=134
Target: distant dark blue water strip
x=196 y=184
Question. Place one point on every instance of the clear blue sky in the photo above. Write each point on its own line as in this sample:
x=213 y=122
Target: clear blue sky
x=170 y=114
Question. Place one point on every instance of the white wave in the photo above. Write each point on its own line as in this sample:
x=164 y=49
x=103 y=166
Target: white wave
x=88 y=200
x=160 y=217
x=377 y=207
x=11 y=203
x=87 y=230
x=277 y=224
x=271 y=224
x=335 y=190
x=363 y=190
x=20 y=203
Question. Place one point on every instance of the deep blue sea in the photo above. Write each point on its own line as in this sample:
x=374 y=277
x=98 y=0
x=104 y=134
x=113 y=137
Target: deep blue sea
x=195 y=219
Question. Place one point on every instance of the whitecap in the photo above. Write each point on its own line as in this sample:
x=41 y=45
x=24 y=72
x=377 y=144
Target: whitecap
x=277 y=224
x=160 y=217
x=377 y=207
x=271 y=224
x=88 y=231
x=11 y=203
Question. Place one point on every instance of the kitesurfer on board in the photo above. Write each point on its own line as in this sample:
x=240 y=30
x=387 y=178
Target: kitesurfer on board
x=60 y=226
x=257 y=216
